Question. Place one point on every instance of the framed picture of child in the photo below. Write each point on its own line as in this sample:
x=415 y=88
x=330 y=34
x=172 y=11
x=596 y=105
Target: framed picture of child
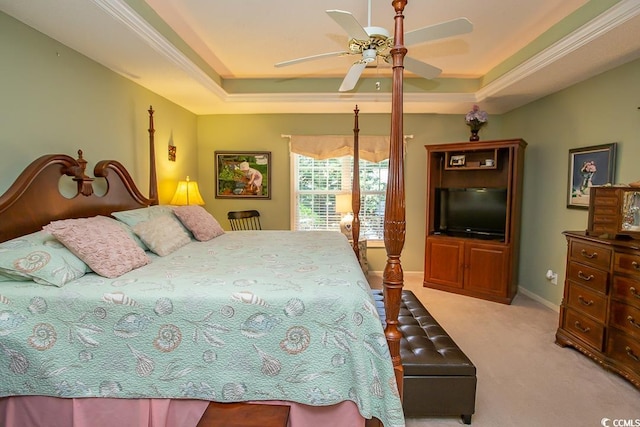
x=589 y=166
x=243 y=174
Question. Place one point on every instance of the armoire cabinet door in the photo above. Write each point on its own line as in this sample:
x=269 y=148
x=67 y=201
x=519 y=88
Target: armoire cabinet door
x=486 y=269
x=444 y=262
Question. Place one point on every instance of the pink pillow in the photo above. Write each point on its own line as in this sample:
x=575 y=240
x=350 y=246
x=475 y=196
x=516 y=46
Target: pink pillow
x=101 y=243
x=200 y=222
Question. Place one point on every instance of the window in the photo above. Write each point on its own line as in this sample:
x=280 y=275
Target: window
x=317 y=182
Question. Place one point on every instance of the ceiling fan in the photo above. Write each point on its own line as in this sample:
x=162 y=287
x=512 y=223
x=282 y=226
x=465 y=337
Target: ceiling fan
x=372 y=43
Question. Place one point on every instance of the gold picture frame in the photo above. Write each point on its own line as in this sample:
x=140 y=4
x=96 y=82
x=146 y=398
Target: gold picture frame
x=243 y=174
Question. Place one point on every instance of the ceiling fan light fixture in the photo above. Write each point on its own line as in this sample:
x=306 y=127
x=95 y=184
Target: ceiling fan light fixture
x=369 y=43
x=369 y=55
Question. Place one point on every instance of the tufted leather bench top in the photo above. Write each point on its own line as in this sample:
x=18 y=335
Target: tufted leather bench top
x=439 y=379
x=425 y=348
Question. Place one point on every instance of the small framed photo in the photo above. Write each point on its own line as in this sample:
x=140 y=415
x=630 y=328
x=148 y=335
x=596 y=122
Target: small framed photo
x=458 y=160
x=589 y=166
x=243 y=174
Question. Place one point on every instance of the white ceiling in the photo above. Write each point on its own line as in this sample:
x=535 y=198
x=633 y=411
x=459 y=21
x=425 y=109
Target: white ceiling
x=243 y=39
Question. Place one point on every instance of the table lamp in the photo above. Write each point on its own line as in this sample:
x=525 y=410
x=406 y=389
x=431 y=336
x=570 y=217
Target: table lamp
x=343 y=206
x=187 y=193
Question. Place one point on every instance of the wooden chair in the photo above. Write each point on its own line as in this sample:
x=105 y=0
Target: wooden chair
x=244 y=220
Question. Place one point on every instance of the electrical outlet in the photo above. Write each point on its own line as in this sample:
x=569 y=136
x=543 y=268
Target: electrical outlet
x=554 y=278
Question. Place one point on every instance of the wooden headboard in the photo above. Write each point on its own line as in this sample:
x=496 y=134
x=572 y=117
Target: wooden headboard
x=34 y=199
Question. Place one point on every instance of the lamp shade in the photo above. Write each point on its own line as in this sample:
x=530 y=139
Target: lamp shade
x=343 y=203
x=187 y=193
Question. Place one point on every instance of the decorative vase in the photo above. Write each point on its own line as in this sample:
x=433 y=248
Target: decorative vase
x=474 y=135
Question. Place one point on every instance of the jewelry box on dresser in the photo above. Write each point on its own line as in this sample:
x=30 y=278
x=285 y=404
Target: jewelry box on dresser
x=600 y=309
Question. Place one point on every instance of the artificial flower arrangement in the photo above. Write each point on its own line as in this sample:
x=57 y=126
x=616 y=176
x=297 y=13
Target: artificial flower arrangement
x=476 y=118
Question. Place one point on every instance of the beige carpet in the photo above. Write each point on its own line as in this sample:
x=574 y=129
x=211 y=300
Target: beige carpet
x=524 y=378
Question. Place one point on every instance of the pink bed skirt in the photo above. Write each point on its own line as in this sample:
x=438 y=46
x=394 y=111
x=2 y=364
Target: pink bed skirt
x=36 y=411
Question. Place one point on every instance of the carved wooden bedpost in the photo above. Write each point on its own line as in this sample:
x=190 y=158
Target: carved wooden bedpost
x=153 y=178
x=355 y=187
x=394 y=218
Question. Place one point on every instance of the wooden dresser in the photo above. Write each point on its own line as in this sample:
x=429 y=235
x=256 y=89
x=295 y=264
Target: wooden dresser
x=600 y=310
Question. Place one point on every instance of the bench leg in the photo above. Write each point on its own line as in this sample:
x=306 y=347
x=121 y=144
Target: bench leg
x=466 y=418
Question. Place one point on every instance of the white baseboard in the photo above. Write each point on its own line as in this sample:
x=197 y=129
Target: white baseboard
x=419 y=275
x=539 y=299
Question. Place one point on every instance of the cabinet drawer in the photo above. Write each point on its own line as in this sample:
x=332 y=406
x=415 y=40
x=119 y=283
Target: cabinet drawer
x=625 y=317
x=598 y=229
x=597 y=256
x=605 y=198
x=627 y=290
x=588 y=276
x=624 y=349
x=608 y=210
x=585 y=328
x=605 y=216
x=627 y=263
x=587 y=301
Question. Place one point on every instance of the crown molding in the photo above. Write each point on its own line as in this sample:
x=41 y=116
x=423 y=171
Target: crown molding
x=612 y=18
x=122 y=12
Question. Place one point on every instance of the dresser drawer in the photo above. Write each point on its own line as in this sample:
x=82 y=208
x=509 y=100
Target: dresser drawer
x=585 y=328
x=627 y=290
x=609 y=210
x=587 y=253
x=605 y=217
x=587 y=301
x=589 y=277
x=624 y=349
x=627 y=263
x=625 y=317
x=605 y=197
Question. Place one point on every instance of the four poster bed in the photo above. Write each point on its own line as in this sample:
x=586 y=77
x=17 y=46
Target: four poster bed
x=111 y=316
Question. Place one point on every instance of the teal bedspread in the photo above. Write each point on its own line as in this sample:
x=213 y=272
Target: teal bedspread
x=266 y=315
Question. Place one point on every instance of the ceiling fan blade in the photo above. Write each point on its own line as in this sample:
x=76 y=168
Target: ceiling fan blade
x=310 y=58
x=420 y=68
x=438 y=31
x=349 y=24
x=352 y=76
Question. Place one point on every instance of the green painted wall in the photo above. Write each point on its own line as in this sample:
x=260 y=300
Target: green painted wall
x=54 y=100
x=601 y=110
x=57 y=101
x=263 y=133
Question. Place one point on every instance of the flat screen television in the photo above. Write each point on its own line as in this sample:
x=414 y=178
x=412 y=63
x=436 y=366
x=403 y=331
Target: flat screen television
x=471 y=212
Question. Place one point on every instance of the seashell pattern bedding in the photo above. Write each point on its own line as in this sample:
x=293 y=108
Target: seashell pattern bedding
x=251 y=315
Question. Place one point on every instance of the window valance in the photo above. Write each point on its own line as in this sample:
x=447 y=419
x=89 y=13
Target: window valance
x=319 y=147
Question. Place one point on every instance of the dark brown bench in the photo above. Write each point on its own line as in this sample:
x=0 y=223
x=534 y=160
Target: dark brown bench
x=439 y=379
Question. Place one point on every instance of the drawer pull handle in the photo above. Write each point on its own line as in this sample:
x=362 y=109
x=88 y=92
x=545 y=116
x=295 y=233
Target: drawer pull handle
x=634 y=292
x=584 y=301
x=580 y=327
x=635 y=265
x=583 y=277
x=633 y=321
x=590 y=256
x=631 y=354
